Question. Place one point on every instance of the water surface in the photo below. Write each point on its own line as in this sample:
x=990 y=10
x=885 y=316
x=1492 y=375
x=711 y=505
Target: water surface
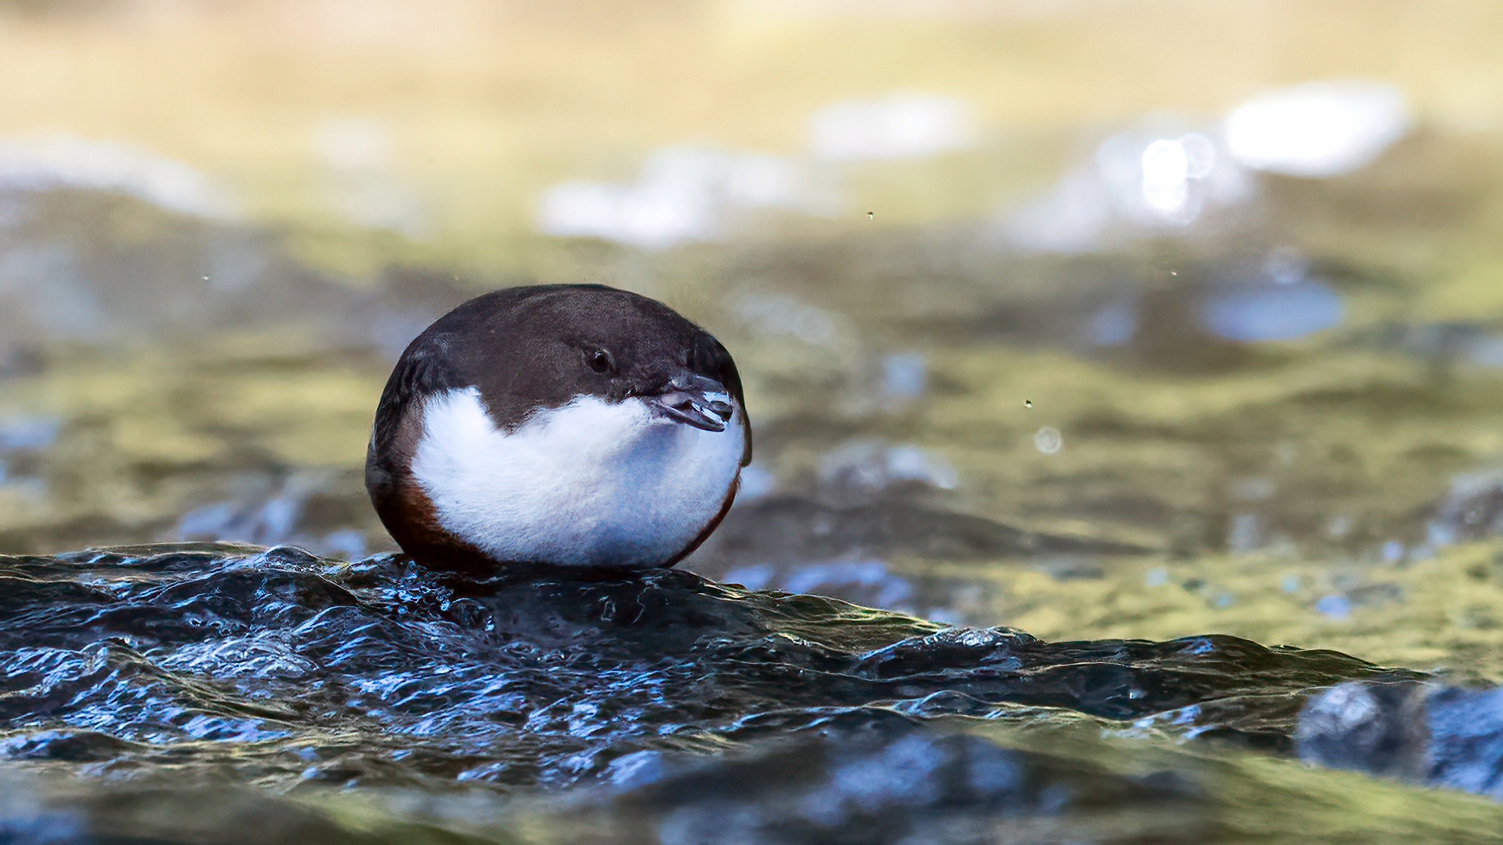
x=376 y=699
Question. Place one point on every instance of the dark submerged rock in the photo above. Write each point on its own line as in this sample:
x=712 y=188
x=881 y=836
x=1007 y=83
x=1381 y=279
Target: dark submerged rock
x=1421 y=732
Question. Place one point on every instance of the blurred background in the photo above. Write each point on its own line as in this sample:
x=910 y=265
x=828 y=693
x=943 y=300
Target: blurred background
x=1092 y=317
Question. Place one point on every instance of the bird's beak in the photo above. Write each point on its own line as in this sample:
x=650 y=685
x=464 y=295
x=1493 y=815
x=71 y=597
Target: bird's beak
x=695 y=400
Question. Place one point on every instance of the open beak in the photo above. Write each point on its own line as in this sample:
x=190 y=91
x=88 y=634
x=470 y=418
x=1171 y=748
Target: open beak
x=694 y=400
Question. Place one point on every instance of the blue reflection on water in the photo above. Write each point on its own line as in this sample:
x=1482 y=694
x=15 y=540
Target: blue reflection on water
x=28 y=434
x=1114 y=325
x=1273 y=312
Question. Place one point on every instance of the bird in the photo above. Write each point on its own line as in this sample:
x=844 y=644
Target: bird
x=578 y=427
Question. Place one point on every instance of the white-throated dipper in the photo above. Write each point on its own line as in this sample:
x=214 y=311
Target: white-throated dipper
x=559 y=425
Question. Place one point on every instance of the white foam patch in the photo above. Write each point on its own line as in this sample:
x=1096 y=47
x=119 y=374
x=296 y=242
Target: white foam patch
x=900 y=125
x=62 y=161
x=683 y=194
x=591 y=483
x=1318 y=128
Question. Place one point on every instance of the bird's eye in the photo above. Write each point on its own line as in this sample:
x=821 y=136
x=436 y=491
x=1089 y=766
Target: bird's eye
x=600 y=361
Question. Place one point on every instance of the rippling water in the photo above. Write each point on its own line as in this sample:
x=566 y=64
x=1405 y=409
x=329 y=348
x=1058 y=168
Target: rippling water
x=672 y=706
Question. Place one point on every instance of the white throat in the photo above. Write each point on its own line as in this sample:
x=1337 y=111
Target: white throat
x=590 y=483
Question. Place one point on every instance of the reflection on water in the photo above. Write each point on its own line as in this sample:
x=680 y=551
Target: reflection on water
x=1284 y=312
x=688 y=193
x=897 y=126
x=61 y=161
x=1316 y=129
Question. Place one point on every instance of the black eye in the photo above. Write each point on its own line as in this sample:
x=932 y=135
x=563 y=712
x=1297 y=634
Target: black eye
x=600 y=361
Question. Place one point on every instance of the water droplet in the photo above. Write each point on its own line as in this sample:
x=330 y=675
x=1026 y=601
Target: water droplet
x=1048 y=440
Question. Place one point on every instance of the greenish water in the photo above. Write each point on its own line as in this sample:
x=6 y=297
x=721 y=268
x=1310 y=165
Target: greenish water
x=946 y=426
x=1255 y=479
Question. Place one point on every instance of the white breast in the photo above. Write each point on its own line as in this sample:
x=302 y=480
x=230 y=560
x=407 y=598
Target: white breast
x=590 y=483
